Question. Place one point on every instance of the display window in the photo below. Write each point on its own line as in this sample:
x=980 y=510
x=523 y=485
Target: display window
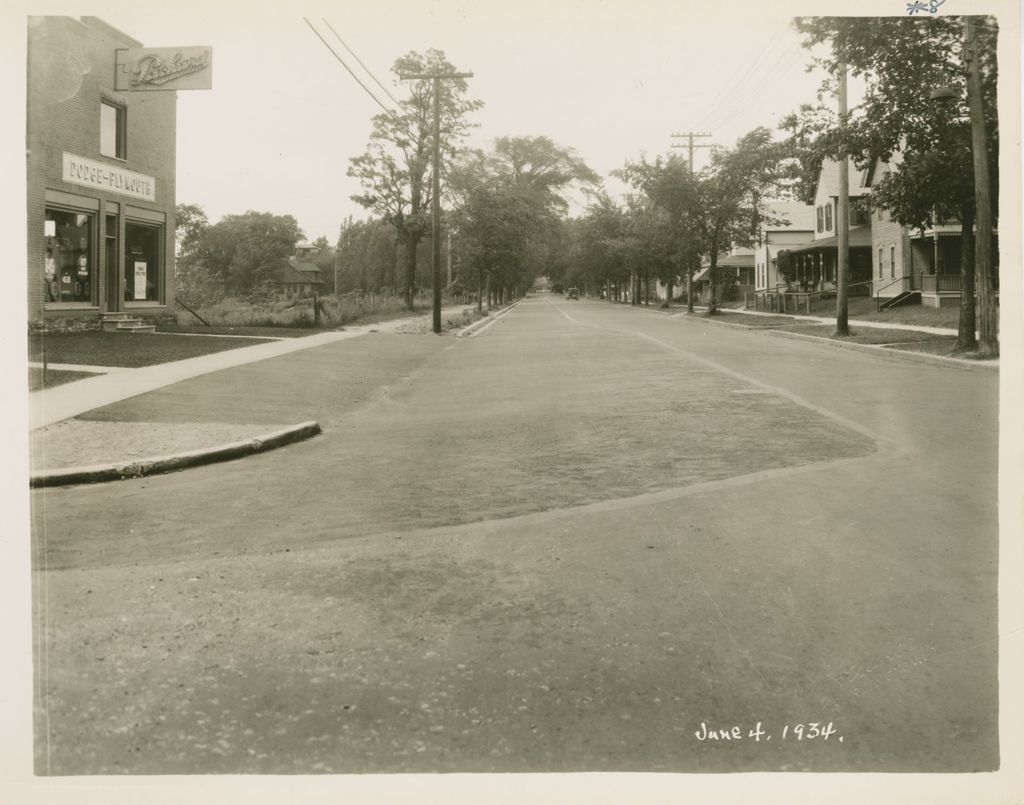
x=69 y=273
x=142 y=262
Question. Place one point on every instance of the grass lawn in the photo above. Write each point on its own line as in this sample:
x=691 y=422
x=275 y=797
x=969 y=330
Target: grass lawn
x=866 y=308
x=863 y=335
x=128 y=350
x=54 y=377
x=940 y=345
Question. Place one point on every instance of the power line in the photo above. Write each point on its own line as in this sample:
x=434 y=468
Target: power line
x=756 y=89
x=726 y=115
x=366 y=89
x=723 y=97
x=369 y=72
x=729 y=111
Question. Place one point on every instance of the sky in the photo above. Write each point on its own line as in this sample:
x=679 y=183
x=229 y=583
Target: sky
x=611 y=80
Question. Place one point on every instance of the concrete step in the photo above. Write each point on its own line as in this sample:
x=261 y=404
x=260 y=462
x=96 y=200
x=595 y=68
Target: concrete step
x=135 y=327
x=120 y=323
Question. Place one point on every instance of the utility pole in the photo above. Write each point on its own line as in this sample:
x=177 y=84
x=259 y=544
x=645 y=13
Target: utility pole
x=689 y=135
x=843 y=219
x=988 y=341
x=435 y=246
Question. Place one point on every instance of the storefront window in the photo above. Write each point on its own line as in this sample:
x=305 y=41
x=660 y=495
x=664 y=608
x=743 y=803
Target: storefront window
x=68 y=270
x=142 y=262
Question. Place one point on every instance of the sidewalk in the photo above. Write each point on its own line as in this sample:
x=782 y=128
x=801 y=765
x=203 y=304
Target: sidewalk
x=880 y=325
x=59 y=441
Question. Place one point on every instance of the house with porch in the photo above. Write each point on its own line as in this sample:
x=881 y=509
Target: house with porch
x=915 y=264
x=783 y=225
x=815 y=262
x=735 y=271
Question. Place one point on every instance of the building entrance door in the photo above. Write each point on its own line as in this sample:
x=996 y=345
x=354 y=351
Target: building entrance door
x=113 y=280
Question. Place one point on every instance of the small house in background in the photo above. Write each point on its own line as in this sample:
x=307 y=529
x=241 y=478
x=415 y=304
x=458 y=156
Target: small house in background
x=298 y=275
x=735 y=276
x=784 y=225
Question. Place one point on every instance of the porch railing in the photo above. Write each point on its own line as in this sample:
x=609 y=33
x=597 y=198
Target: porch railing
x=933 y=283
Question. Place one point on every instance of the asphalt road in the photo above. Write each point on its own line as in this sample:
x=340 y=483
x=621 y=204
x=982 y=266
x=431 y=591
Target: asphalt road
x=580 y=541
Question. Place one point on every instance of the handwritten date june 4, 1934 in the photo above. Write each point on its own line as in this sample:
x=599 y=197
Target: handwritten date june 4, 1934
x=811 y=731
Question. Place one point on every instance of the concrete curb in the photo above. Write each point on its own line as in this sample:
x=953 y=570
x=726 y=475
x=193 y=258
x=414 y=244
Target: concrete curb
x=471 y=329
x=98 y=473
x=874 y=349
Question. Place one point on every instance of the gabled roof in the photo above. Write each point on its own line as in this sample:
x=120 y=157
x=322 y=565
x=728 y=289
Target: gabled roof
x=828 y=178
x=291 y=271
x=305 y=266
x=796 y=215
x=729 y=261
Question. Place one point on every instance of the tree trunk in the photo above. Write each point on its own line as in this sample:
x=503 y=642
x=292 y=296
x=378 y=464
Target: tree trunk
x=411 y=242
x=689 y=289
x=966 y=341
x=668 y=293
x=712 y=305
x=480 y=290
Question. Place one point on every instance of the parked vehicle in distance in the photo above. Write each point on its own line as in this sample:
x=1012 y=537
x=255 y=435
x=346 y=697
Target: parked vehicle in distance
x=572 y=293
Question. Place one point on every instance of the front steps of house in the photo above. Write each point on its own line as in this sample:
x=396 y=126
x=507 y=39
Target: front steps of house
x=124 y=323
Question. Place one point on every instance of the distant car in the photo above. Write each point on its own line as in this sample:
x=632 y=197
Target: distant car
x=572 y=293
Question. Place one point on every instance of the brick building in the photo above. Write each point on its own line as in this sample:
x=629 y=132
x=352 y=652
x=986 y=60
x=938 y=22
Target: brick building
x=101 y=174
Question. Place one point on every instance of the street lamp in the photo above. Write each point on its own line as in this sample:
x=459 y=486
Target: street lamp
x=943 y=95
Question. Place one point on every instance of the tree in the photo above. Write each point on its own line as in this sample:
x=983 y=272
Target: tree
x=531 y=177
x=367 y=254
x=190 y=223
x=730 y=190
x=901 y=59
x=672 y=187
x=395 y=169
x=244 y=251
x=494 y=224
x=193 y=281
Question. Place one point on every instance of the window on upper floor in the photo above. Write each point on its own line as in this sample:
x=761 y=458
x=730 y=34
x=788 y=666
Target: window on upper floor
x=828 y=217
x=821 y=220
x=113 y=130
x=860 y=214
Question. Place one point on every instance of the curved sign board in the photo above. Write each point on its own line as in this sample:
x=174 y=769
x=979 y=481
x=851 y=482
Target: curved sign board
x=148 y=69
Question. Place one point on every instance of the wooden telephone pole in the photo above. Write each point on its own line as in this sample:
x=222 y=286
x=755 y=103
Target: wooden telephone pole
x=843 y=220
x=988 y=340
x=690 y=135
x=435 y=206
